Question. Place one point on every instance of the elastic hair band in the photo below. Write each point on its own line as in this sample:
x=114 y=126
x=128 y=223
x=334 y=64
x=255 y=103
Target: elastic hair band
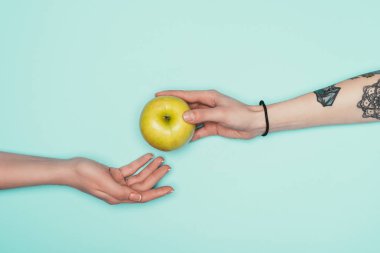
x=266 y=118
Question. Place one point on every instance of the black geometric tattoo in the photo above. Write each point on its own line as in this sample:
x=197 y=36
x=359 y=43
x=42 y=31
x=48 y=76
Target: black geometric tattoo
x=326 y=96
x=370 y=103
x=367 y=75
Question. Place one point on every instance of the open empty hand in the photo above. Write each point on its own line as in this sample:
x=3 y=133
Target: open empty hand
x=120 y=185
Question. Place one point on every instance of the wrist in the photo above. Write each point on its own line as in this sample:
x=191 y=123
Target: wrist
x=287 y=116
x=61 y=172
x=257 y=124
x=72 y=168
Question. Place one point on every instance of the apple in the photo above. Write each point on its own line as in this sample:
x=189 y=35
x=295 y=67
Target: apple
x=162 y=125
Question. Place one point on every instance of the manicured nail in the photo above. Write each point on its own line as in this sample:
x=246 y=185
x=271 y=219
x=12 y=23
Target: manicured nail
x=135 y=197
x=188 y=116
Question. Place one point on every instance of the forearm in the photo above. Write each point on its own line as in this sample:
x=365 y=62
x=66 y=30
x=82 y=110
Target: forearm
x=20 y=170
x=351 y=101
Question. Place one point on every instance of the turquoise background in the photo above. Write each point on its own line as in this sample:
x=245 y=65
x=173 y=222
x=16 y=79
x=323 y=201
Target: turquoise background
x=74 y=76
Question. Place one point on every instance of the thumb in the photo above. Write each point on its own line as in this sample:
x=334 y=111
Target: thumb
x=202 y=115
x=130 y=194
x=121 y=193
x=135 y=196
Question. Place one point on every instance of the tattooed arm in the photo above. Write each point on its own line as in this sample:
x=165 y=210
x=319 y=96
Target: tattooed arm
x=352 y=101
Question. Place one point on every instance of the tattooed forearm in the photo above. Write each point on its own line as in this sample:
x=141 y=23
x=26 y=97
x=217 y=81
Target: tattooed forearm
x=367 y=75
x=370 y=103
x=326 y=96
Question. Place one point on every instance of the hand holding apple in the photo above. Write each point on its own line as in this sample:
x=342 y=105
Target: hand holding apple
x=220 y=114
x=162 y=124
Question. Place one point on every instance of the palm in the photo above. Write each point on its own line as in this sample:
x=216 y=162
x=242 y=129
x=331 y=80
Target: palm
x=116 y=185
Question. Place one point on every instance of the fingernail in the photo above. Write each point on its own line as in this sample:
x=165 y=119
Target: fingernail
x=172 y=190
x=188 y=116
x=163 y=160
x=169 y=168
x=135 y=197
x=199 y=126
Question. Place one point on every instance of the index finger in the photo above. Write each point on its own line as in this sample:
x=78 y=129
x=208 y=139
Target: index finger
x=207 y=97
x=134 y=166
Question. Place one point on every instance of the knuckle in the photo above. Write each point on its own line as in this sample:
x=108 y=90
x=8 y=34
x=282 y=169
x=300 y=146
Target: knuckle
x=127 y=181
x=196 y=114
x=213 y=92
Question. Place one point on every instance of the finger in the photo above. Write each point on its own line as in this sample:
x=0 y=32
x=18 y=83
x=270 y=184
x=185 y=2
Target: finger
x=207 y=97
x=145 y=172
x=156 y=193
x=208 y=130
x=232 y=133
x=198 y=106
x=117 y=176
x=152 y=179
x=143 y=197
x=107 y=198
x=203 y=115
x=225 y=132
x=131 y=168
x=127 y=194
x=121 y=192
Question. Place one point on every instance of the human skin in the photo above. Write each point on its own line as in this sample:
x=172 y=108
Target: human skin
x=113 y=185
x=356 y=100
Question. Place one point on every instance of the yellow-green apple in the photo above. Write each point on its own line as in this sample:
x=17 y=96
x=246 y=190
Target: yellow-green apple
x=162 y=125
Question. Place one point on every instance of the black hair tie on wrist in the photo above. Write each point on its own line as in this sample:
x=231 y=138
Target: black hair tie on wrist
x=266 y=118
